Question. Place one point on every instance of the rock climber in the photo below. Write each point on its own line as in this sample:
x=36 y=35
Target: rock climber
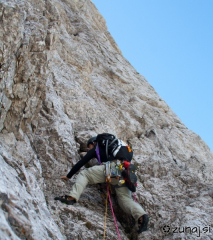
x=96 y=174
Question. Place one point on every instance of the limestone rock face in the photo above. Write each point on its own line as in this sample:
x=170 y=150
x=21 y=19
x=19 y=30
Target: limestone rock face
x=63 y=79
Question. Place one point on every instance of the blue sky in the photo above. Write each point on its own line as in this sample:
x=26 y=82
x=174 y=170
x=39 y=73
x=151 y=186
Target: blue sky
x=169 y=42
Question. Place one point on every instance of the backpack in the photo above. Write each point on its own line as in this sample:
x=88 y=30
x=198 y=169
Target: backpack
x=108 y=141
x=114 y=147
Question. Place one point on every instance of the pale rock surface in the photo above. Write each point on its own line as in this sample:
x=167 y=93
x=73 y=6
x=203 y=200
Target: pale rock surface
x=63 y=79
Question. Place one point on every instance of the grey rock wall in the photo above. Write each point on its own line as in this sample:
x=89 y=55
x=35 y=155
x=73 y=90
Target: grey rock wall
x=62 y=80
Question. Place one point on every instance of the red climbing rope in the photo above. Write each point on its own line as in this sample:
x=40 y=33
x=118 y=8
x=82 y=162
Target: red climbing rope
x=119 y=237
x=134 y=196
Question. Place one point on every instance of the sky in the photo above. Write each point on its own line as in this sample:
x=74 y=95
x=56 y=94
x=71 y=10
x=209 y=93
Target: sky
x=170 y=43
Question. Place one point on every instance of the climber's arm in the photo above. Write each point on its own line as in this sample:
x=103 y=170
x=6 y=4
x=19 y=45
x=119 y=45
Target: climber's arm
x=90 y=154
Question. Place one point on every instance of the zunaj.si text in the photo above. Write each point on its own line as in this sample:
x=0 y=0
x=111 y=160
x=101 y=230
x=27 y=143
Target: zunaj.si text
x=191 y=230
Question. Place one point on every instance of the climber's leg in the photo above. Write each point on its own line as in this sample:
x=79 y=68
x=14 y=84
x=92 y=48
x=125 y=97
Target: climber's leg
x=88 y=176
x=128 y=204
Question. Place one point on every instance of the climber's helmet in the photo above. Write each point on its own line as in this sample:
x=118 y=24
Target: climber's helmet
x=92 y=140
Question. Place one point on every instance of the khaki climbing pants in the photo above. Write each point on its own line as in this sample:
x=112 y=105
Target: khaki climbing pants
x=96 y=175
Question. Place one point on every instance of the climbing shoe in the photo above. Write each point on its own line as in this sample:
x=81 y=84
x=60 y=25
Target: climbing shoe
x=66 y=199
x=143 y=223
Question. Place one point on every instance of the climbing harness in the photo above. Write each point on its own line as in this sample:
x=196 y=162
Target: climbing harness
x=107 y=171
x=113 y=169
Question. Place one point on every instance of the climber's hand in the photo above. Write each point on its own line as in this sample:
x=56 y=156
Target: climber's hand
x=65 y=178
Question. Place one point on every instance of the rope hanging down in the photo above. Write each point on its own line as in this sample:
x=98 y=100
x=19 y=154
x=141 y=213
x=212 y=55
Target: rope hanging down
x=134 y=196
x=108 y=195
x=119 y=237
x=105 y=215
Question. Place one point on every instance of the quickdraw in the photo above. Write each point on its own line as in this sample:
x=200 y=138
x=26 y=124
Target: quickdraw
x=113 y=169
